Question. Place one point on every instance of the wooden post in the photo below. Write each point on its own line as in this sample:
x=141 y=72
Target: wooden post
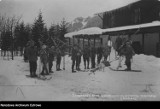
x=69 y=41
x=94 y=42
x=101 y=41
x=88 y=42
x=78 y=41
x=83 y=42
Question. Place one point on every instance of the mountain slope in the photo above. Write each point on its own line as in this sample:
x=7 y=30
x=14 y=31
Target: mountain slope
x=81 y=23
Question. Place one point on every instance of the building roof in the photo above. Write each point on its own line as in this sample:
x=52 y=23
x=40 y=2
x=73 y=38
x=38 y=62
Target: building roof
x=87 y=31
x=120 y=8
x=70 y=35
x=98 y=31
x=146 y=25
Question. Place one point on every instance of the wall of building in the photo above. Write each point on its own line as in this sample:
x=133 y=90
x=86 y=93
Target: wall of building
x=150 y=42
x=144 y=11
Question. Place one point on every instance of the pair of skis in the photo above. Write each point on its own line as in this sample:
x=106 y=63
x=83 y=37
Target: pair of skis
x=41 y=77
x=124 y=70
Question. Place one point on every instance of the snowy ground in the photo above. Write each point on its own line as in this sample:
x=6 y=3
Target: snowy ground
x=66 y=86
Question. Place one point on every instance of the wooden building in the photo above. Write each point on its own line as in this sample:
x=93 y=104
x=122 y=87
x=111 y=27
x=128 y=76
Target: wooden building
x=138 y=21
x=143 y=11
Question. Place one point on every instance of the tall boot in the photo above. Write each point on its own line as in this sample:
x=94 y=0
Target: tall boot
x=129 y=66
x=73 y=69
x=84 y=65
x=88 y=65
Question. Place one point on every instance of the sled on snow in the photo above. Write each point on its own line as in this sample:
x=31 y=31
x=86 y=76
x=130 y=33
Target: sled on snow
x=100 y=67
x=124 y=70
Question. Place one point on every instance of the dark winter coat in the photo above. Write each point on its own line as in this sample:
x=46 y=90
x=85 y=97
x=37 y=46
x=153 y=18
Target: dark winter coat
x=100 y=51
x=128 y=52
x=93 y=52
x=32 y=54
x=86 y=52
x=74 y=54
x=118 y=43
x=44 y=56
x=52 y=54
x=26 y=52
x=106 y=51
x=58 y=53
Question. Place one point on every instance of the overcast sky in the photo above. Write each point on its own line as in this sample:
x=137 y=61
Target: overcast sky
x=54 y=10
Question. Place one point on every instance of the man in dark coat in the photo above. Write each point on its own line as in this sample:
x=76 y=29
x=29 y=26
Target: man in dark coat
x=78 y=59
x=58 y=62
x=99 y=54
x=86 y=56
x=128 y=52
x=93 y=56
x=44 y=59
x=118 y=43
x=106 y=52
x=26 y=52
x=32 y=57
x=51 y=58
x=73 y=57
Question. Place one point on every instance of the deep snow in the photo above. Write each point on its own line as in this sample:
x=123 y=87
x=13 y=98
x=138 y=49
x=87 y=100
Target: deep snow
x=66 y=86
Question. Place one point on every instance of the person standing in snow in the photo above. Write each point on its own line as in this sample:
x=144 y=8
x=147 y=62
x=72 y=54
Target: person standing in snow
x=73 y=57
x=106 y=52
x=129 y=53
x=121 y=43
x=99 y=53
x=118 y=43
x=109 y=45
x=26 y=52
x=51 y=58
x=58 y=62
x=44 y=59
x=86 y=56
x=93 y=56
x=78 y=59
x=32 y=57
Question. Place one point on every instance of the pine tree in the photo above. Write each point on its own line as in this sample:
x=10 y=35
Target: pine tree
x=6 y=40
x=16 y=35
x=51 y=35
x=57 y=31
x=28 y=31
x=63 y=29
x=45 y=35
x=52 y=30
x=38 y=29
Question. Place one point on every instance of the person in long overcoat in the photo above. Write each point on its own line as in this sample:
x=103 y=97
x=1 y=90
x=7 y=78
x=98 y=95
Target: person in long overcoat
x=32 y=57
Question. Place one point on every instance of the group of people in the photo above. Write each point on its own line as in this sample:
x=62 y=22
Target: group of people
x=123 y=48
x=89 y=54
x=47 y=56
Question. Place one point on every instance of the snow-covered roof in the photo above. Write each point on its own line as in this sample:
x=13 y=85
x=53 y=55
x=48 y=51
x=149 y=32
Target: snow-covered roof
x=70 y=35
x=146 y=25
x=90 y=31
x=87 y=31
x=97 y=31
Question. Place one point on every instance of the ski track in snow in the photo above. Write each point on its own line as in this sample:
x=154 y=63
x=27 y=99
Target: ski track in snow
x=80 y=86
